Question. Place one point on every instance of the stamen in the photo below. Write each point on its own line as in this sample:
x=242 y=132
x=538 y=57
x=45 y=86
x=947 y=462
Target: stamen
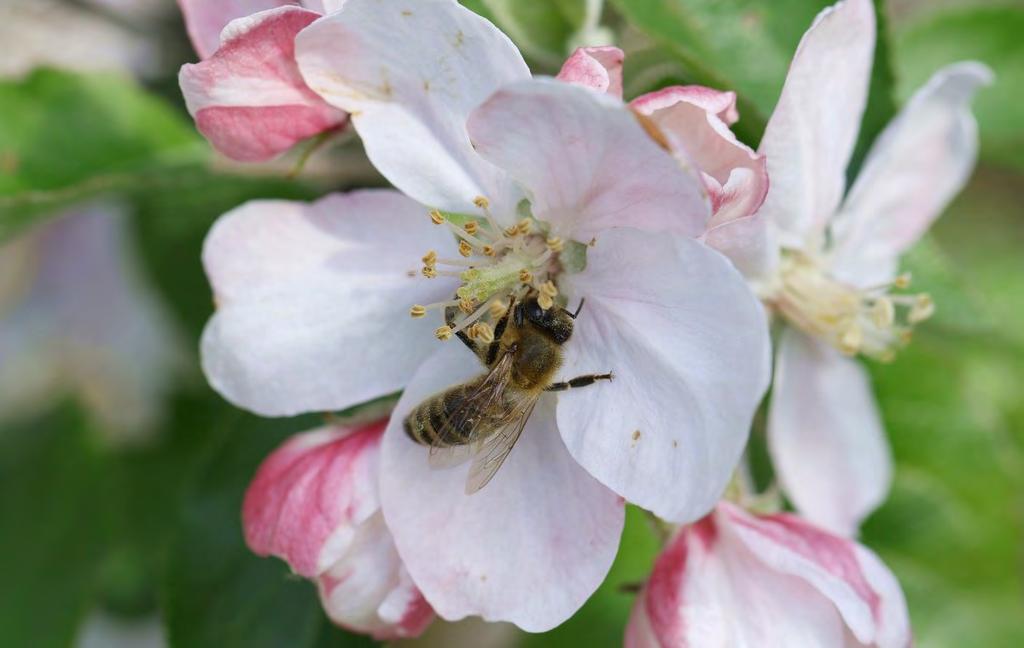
x=481 y=202
x=497 y=309
x=548 y=288
x=474 y=316
x=443 y=333
x=902 y=282
x=883 y=313
x=488 y=250
x=471 y=227
x=851 y=340
x=923 y=308
x=545 y=301
x=417 y=311
x=466 y=306
x=525 y=276
x=481 y=331
x=555 y=244
x=429 y=272
x=465 y=249
x=430 y=258
x=437 y=217
x=524 y=226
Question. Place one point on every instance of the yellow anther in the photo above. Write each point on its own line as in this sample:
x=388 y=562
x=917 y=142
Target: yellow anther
x=555 y=244
x=525 y=276
x=902 y=282
x=850 y=340
x=488 y=250
x=417 y=311
x=883 y=313
x=497 y=309
x=481 y=202
x=465 y=249
x=524 y=226
x=906 y=335
x=471 y=227
x=545 y=301
x=466 y=305
x=429 y=272
x=548 y=288
x=923 y=308
x=443 y=333
x=430 y=258
x=484 y=332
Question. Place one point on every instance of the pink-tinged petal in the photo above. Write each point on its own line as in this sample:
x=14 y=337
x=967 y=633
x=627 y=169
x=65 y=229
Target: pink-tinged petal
x=314 y=504
x=205 y=19
x=707 y=589
x=586 y=161
x=811 y=134
x=914 y=169
x=688 y=345
x=599 y=68
x=696 y=119
x=310 y=496
x=530 y=547
x=410 y=72
x=864 y=592
x=313 y=300
x=825 y=435
x=249 y=98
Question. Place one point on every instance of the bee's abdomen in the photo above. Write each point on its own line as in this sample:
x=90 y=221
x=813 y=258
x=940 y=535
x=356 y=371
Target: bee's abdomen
x=434 y=421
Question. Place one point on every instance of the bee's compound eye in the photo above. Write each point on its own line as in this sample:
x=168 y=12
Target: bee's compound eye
x=534 y=312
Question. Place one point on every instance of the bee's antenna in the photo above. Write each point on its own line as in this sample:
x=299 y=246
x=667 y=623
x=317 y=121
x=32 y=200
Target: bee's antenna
x=578 y=308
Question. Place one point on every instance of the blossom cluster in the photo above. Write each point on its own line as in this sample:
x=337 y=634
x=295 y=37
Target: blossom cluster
x=689 y=249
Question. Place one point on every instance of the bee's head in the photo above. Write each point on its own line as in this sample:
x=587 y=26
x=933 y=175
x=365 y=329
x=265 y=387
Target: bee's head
x=554 y=322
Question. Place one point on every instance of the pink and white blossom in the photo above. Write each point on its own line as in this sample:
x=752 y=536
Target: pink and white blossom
x=693 y=122
x=737 y=579
x=573 y=198
x=314 y=503
x=247 y=95
x=827 y=265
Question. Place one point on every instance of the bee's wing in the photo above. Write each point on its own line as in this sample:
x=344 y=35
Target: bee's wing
x=496 y=448
x=488 y=394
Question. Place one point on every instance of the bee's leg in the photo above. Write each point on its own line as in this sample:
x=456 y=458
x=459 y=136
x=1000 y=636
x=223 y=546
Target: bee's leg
x=578 y=381
x=449 y=318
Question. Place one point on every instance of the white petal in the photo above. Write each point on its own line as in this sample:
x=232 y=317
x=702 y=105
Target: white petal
x=586 y=162
x=688 y=345
x=530 y=547
x=914 y=169
x=205 y=19
x=811 y=134
x=313 y=300
x=411 y=72
x=825 y=435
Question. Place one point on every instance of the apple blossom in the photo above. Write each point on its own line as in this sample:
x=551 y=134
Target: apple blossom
x=314 y=503
x=692 y=122
x=535 y=185
x=738 y=579
x=247 y=96
x=76 y=317
x=828 y=267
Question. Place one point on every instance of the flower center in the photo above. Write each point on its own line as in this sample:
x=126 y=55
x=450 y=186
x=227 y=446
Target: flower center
x=495 y=265
x=872 y=321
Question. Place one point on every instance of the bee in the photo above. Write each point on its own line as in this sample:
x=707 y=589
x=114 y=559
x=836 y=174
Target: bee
x=484 y=417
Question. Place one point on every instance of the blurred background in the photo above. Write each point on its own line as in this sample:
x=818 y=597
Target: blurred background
x=122 y=473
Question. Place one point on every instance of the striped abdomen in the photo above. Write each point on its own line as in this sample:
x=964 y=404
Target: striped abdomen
x=450 y=418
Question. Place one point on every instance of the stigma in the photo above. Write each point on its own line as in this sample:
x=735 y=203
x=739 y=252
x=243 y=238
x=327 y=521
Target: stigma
x=875 y=321
x=494 y=265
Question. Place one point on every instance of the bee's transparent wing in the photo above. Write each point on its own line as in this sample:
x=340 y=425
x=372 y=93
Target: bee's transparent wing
x=496 y=448
x=477 y=404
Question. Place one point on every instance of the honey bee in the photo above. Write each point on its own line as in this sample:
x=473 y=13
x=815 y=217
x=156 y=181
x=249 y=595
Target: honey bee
x=484 y=417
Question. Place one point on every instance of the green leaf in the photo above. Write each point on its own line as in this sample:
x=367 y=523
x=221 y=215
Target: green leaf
x=217 y=593
x=53 y=528
x=65 y=137
x=543 y=30
x=988 y=34
x=741 y=45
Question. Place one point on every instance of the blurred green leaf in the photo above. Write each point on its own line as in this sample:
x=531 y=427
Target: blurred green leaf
x=952 y=407
x=988 y=34
x=215 y=592
x=741 y=45
x=542 y=30
x=66 y=137
x=53 y=527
